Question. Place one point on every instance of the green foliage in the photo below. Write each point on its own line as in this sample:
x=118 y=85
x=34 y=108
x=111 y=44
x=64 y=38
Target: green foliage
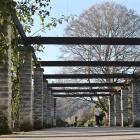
x=15 y=99
x=15 y=85
x=80 y=123
x=26 y=126
x=27 y=9
x=90 y=123
x=4 y=129
x=3 y=49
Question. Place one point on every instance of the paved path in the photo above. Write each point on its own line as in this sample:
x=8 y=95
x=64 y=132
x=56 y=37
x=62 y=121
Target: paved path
x=77 y=134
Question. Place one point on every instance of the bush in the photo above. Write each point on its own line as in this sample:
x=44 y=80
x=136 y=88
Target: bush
x=90 y=124
x=26 y=126
x=136 y=123
x=81 y=123
x=4 y=129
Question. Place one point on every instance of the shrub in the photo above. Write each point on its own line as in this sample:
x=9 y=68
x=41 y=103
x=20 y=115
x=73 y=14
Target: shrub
x=81 y=123
x=26 y=126
x=90 y=124
x=4 y=129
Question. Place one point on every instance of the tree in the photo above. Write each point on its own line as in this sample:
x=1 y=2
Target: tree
x=107 y=19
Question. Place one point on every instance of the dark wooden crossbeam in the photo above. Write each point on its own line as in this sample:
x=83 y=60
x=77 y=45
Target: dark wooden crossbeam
x=82 y=90
x=85 y=76
x=80 y=95
x=23 y=35
x=86 y=84
x=83 y=40
x=19 y=27
x=90 y=63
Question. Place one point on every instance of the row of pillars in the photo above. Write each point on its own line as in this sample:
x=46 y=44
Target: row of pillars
x=37 y=106
x=124 y=107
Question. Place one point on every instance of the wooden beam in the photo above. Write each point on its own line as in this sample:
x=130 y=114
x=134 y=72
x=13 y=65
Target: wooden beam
x=85 y=76
x=86 y=84
x=19 y=27
x=83 y=40
x=89 y=63
x=82 y=90
x=80 y=95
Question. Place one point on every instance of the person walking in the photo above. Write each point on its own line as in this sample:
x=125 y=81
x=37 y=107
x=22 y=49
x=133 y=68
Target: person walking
x=75 y=122
x=97 y=116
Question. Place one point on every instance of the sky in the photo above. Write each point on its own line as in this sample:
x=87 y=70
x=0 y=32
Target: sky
x=71 y=7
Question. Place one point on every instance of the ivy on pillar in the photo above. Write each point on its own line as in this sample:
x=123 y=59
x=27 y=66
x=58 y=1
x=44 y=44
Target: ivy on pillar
x=136 y=102
x=38 y=98
x=26 y=93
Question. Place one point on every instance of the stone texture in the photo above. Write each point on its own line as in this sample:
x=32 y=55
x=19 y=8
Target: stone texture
x=125 y=106
x=112 y=115
x=52 y=110
x=5 y=78
x=49 y=119
x=5 y=93
x=118 y=109
x=54 y=118
x=45 y=90
x=136 y=101
x=38 y=97
x=26 y=92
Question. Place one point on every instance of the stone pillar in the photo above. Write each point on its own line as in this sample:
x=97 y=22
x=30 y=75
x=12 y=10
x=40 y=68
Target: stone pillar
x=45 y=91
x=112 y=116
x=52 y=110
x=5 y=92
x=118 y=109
x=136 y=102
x=49 y=120
x=54 y=119
x=38 y=98
x=5 y=76
x=124 y=106
x=26 y=93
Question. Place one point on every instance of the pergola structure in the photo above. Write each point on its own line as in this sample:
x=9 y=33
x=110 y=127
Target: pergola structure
x=86 y=92
x=39 y=107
